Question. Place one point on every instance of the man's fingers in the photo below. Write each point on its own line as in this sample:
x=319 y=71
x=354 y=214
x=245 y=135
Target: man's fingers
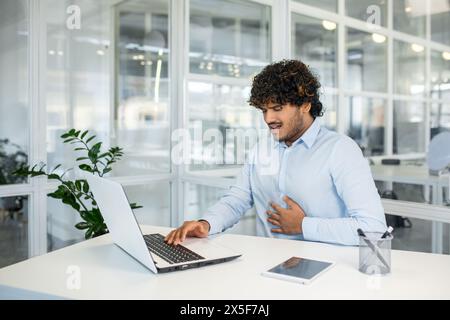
x=190 y=228
x=273 y=214
x=288 y=201
x=177 y=238
x=278 y=230
x=170 y=236
x=277 y=207
x=183 y=233
x=291 y=203
x=274 y=222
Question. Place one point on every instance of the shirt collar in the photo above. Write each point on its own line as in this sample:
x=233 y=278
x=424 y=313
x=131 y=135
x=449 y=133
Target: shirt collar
x=309 y=137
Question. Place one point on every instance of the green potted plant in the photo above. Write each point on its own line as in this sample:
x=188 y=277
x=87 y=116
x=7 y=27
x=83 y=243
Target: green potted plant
x=76 y=193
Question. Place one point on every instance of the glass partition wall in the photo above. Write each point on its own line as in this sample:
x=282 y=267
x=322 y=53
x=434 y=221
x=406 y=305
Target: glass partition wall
x=16 y=244
x=110 y=75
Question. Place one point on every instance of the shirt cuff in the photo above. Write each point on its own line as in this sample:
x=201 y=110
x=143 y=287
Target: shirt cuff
x=209 y=225
x=214 y=225
x=309 y=228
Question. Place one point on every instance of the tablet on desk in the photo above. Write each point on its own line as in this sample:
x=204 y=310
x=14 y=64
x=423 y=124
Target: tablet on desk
x=299 y=270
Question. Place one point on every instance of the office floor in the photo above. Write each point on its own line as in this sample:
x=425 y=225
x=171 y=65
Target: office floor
x=418 y=237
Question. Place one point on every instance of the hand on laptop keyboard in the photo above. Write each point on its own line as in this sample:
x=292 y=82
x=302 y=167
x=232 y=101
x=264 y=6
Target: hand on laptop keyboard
x=199 y=229
x=172 y=254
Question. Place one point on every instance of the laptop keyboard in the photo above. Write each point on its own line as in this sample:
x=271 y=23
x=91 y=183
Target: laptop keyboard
x=171 y=254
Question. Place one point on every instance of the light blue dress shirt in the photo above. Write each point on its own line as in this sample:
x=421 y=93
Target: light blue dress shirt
x=324 y=172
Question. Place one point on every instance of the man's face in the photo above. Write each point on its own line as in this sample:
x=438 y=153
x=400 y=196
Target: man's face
x=287 y=122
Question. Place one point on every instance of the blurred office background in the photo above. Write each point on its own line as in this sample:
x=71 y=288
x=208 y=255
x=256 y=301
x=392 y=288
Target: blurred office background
x=133 y=71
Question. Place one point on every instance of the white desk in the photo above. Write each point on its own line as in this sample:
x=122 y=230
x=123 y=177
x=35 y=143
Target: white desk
x=411 y=174
x=108 y=273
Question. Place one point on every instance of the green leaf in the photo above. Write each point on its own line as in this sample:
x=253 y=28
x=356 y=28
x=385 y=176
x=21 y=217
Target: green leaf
x=83 y=215
x=85 y=167
x=56 y=168
x=84 y=134
x=80 y=149
x=78 y=185
x=89 y=217
x=99 y=229
x=36 y=174
x=70 y=185
x=82 y=159
x=65 y=136
x=23 y=171
x=82 y=225
x=60 y=191
x=68 y=140
x=65 y=172
x=88 y=233
x=106 y=170
x=135 y=206
x=90 y=139
x=54 y=195
x=97 y=147
x=93 y=153
x=76 y=206
x=53 y=176
x=68 y=197
x=85 y=186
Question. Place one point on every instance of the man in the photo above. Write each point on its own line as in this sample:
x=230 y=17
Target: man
x=322 y=176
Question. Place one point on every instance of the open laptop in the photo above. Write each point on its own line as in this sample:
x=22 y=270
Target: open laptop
x=150 y=250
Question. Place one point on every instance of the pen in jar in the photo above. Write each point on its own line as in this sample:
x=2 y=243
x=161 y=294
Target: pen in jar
x=387 y=233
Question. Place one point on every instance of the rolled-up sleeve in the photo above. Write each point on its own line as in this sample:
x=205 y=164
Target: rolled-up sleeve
x=231 y=207
x=354 y=185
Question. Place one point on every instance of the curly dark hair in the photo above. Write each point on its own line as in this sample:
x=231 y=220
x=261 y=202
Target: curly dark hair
x=287 y=81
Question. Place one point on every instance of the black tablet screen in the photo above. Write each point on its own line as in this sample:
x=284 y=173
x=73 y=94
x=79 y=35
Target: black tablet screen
x=300 y=267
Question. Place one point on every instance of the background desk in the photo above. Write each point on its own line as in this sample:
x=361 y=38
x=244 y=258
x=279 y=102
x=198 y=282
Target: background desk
x=108 y=273
x=418 y=175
